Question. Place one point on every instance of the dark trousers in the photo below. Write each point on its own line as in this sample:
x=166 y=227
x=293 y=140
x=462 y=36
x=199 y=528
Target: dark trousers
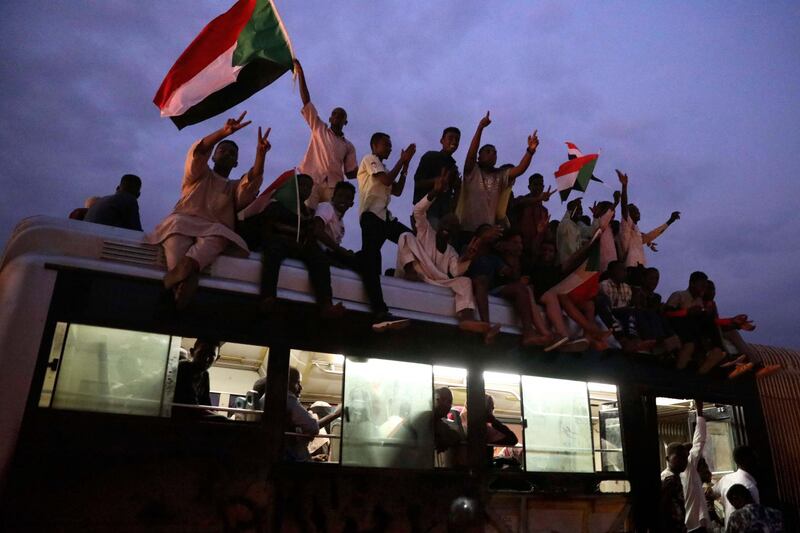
x=369 y=277
x=276 y=249
x=375 y=232
x=698 y=328
x=652 y=325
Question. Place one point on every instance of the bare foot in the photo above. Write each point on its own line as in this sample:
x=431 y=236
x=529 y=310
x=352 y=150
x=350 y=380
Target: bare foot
x=331 y=312
x=185 y=268
x=490 y=336
x=184 y=291
x=474 y=326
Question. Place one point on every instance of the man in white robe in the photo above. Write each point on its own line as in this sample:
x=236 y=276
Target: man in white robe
x=430 y=258
x=201 y=226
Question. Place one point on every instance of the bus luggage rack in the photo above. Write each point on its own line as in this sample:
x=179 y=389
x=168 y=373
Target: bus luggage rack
x=135 y=253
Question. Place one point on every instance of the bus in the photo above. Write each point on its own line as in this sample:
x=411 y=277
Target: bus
x=91 y=441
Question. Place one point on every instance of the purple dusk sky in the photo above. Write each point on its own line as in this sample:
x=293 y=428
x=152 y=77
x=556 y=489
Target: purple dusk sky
x=698 y=101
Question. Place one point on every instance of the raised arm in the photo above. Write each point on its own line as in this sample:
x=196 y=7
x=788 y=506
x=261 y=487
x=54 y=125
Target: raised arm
x=650 y=236
x=231 y=126
x=699 y=439
x=401 y=167
x=472 y=153
x=623 y=179
x=251 y=182
x=533 y=144
x=301 y=80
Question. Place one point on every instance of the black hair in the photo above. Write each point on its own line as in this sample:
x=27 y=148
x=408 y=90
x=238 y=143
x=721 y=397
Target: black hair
x=573 y=203
x=738 y=491
x=208 y=341
x=377 y=136
x=344 y=185
x=651 y=269
x=228 y=141
x=535 y=176
x=510 y=234
x=485 y=146
x=743 y=454
x=675 y=448
x=698 y=276
x=131 y=183
x=451 y=129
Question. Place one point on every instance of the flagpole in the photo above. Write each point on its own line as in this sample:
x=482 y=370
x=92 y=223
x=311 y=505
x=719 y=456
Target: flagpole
x=297 y=198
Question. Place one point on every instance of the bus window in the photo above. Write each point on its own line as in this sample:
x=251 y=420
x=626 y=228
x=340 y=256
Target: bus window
x=322 y=379
x=506 y=401
x=606 y=428
x=388 y=415
x=677 y=422
x=231 y=381
x=109 y=370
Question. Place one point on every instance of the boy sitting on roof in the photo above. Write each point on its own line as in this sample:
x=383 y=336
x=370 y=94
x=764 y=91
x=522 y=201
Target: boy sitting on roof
x=429 y=257
x=201 y=226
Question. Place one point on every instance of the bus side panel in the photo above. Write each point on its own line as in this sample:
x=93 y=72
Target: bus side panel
x=26 y=289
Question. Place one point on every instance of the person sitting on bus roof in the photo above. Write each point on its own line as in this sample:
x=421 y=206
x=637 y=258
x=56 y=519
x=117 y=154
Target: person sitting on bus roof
x=672 y=507
x=285 y=233
x=632 y=240
x=201 y=226
x=614 y=307
x=192 y=386
x=571 y=233
x=500 y=273
x=530 y=217
x=79 y=213
x=328 y=228
x=648 y=310
x=376 y=186
x=744 y=358
x=429 y=257
x=750 y=515
x=299 y=420
x=120 y=209
x=694 y=325
x=746 y=466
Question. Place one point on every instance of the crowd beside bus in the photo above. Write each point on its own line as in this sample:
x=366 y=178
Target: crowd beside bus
x=688 y=494
x=467 y=233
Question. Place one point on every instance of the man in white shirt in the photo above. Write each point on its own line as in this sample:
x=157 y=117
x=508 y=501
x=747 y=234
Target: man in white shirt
x=328 y=228
x=746 y=463
x=693 y=494
x=376 y=186
x=632 y=240
x=572 y=233
x=330 y=157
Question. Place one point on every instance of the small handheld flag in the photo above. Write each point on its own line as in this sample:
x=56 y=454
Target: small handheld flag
x=575 y=174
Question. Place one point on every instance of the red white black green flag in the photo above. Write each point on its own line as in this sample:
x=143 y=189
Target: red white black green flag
x=237 y=54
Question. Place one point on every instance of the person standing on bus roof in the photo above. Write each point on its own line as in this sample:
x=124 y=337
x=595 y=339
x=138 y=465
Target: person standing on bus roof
x=376 y=186
x=330 y=157
x=430 y=165
x=120 y=209
x=697 y=517
x=201 y=226
x=672 y=507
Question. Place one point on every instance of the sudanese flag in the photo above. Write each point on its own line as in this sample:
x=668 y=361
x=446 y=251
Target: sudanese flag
x=237 y=54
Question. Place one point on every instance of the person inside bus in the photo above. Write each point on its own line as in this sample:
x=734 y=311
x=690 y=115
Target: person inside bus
x=328 y=228
x=697 y=517
x=499 y=272
x=672 y=507
x=694 y=325
x=300 y=422
x=201 y=225
x=283 y=232
x=746 y=465
x=120 y=209
x=715 y=523
x=749 y=515
x=192 y=386
x=448 y=435
x=429 y=257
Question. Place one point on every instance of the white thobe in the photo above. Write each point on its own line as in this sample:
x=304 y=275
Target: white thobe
x=693 y=494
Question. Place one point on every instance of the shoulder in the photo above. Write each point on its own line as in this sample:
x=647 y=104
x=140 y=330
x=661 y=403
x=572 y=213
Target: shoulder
x=324 y=211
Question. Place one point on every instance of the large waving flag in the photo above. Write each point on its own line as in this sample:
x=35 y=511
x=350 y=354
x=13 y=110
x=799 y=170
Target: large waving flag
x=584 y=282
x=575 y=174
x=237 y=54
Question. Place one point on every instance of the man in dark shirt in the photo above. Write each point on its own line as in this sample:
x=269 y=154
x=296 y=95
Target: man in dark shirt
x=672 y=507
x=430 y=167
x=121 y=209
x=192 y=386
x=275 y=232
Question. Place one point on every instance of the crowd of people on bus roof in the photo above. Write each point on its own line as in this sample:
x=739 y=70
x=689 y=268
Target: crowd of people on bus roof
x=688 y=494
x=468 y=233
